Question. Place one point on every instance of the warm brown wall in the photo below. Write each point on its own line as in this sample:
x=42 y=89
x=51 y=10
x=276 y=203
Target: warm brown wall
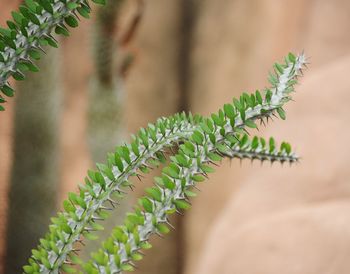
x=293 y=220
x=233 y=45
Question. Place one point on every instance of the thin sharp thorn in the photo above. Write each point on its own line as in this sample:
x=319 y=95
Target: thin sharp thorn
x=81 y=242
x=75 y=252
x=169 y=224
x=196 y=188
x=105 y=208
x=76 y=15
x=160 y=235
x=213 y=163
x=111 y=202
x=120 y=191
x=179 y=212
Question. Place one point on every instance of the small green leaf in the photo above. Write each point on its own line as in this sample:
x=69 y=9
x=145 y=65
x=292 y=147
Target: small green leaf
x=168 y=183
x=99 y=2
x=68 y=207
x=118 y=162
x=214 y=156
x=197 y=137
x=250 y=123
x=155 y=193
x=207 y=169
x=62 y=30
x=279 y=68
x=7 y=90
x=180 y=204
x=258 y=96
x=145 y=245
x=281 y=113
x=72 y=5
x=71 y=21
x=197 y=178
x=147 y=204
x=229 y=111
x=291 y=57
x=162 y=228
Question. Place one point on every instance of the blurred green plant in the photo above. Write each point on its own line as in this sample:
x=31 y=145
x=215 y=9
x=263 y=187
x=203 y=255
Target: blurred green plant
x=36 y=133
x=201 y=143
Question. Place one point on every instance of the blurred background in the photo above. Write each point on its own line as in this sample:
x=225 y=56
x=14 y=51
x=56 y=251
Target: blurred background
x=135 y=61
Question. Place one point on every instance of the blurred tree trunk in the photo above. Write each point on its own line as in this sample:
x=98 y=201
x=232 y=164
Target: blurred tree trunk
x=105 y=128
x=188 y=14
x=35 y=173
x=107 y=88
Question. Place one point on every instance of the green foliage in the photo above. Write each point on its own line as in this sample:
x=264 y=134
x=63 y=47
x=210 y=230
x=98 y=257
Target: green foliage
x=32 y=28
x=201 y=142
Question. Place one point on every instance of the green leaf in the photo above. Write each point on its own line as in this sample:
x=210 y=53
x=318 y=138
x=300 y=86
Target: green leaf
x=250 y=123
x=47 y=6
x=229 y=111
x=272 y=144
x=291 y=57
x=72 y=5
x=162 y=228
x=168 y=183
x=145 y=245
x=125 y=267
x=136 y=257
x=182 y=160
x=99 y=2
x=62 y=30
x=100 y=180
x=281 y=113
x=84 y=11
x=155 y=193
x=28 y=269
x=7 y=90
x=71 y=21
x=68 y=269
x=214 y=156
x=255 y=143
x=244 y=140
x=258 y=96
x=279 y=68
x=268 y=96
x=34 y=54
x=146 y=204
x=68 y=207
x=90 y=236
x=207 y=169
x=197 y=178
x=118 y=162
x=17 y=17
x=180 y=204
x=171 y=171
x=198 y=137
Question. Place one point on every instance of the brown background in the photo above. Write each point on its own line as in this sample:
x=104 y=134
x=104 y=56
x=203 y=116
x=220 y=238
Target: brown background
x=246 y=219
